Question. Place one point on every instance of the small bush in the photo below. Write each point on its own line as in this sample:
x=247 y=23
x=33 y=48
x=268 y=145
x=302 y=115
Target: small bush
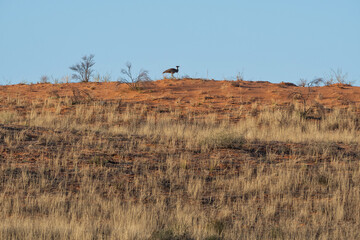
x=44 y=79
x=240 y=76
x=134 y=83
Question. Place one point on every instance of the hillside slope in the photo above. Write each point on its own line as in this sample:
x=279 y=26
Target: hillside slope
x=191 y=93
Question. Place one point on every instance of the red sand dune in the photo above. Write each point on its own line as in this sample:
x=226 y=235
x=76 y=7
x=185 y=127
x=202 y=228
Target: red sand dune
x=202 y=95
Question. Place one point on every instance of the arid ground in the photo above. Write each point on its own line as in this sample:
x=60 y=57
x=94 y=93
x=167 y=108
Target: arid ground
x=179 y=159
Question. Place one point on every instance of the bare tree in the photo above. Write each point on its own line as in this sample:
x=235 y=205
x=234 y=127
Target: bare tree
x=83 y=70
x=134 y=83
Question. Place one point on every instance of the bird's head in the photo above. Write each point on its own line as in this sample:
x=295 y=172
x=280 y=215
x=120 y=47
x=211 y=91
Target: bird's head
x=177 y=66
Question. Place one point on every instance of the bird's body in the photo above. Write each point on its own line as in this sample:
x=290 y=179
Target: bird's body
x=172 y=70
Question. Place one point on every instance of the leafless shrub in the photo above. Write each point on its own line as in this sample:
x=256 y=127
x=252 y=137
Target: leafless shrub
x=44 y=79
x=65 y=79
x=337 y=77
x=134 y=82
x=185 y=76
x=55 y=80
x=302 y=82
x=314 y=83
x=83 y=70
x=240 y=76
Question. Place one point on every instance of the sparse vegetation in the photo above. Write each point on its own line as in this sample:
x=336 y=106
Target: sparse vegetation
x=337 y=77
x=44 y=79
x=313 y=83
x=102 y=78
x=240 y=76
x=134 y=82
x=314 y=110
x=83 y=70
x=302 y=82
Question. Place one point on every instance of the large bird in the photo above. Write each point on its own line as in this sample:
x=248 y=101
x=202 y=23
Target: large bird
x=172 y=71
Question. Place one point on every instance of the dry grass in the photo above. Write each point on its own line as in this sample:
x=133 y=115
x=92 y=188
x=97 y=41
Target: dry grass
x=106 y=170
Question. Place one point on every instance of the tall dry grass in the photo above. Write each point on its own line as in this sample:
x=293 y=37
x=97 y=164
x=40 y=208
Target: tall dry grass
x=102 y=170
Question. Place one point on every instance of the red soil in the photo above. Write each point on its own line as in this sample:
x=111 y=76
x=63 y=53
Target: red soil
x=198 y=94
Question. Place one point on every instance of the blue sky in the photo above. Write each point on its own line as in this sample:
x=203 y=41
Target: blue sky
x=264 y=40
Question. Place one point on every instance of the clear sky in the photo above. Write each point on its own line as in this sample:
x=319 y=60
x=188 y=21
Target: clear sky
x=278 y=40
